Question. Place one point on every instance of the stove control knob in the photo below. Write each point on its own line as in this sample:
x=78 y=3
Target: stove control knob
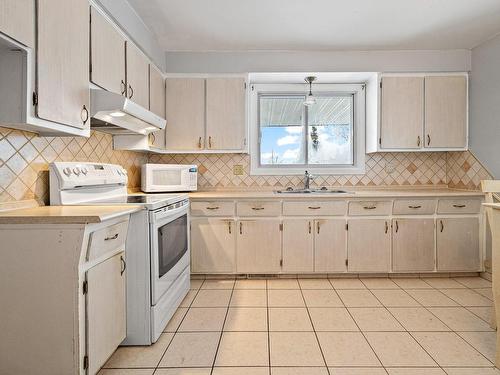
x=67 y=171
x=76 y=171
x=85 y=171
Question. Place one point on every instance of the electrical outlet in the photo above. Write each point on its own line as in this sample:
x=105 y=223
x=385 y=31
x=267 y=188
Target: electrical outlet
x=238 y=170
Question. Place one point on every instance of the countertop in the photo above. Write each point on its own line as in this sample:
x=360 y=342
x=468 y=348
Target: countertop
x=65 y=214
x=351 y=193
x=495 y=206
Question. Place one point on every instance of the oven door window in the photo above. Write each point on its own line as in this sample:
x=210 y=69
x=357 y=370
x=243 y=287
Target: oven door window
x=172 y=244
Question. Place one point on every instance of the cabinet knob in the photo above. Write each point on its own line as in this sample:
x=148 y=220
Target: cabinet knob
x=386 y=227
x=124 y=265
x=84 y=114
x=459 y=205
x=415 y=207
x=123 y=87
x=199 y=142
x=442 y=225
x=309 y=227
x=428 y=140
x=397 y=226
x=241 y=227
x=209 y=142
x=369 y=207
x=317 y=227
x=130 y=92
x=418 y=141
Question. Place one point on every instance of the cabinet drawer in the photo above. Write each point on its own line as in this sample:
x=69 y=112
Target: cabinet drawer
x=459 y=206
x=258 y=208
x=314 y=208
x=370 y=208
x=414 y=207
x=107 y=239
x=215 y=208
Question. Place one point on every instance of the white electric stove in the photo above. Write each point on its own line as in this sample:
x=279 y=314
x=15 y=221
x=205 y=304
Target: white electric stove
x=157 y=250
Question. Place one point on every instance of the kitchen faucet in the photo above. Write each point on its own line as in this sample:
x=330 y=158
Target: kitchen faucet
x=307 y=181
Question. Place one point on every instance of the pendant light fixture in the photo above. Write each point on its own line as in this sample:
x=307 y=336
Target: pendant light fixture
x=310 y=99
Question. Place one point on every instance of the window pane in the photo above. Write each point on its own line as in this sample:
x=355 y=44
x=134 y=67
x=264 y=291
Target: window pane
x=330 y=127
x=282 y=130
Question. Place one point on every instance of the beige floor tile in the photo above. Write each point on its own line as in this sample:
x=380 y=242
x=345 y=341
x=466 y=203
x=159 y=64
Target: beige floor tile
x=246 y=319
x=122 y=371
x=379 y=283
x=398 y=349
x=212 y=298
x=358 y=298
x=443 y=282
x=249 y=298
x=285 y=298
x=218 y=284
x=472 y=371
x=299 y=371
x=375 y=319
x=196 y=283
x=415 y=371
x=322 y=298
x=467 y=297
x=486 y=292
x=243 y=349
x=346 y=349
x=357 y=371
x=191 y=350
x=183 y=371
x=176 y=320
x=202 y=319
x=411 y=283
x=460 y=319
x=139 y=356
x=432 y=298
x=395 y=298
x=474 y=282
x=483 y=342
x=485 y=313
x=295 y=349
x=251 y=284
x=417 y=319
x=448 y=349
x=315 y=284
x=241 y=371
x=186 y=302
x=347 y=283
x=282 y=284
x=289 y=319
x=332 y=319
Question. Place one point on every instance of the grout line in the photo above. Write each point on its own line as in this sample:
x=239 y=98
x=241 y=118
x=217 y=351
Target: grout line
x=268 y=328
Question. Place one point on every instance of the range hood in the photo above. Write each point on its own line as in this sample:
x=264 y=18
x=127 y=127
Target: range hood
x=115 y=114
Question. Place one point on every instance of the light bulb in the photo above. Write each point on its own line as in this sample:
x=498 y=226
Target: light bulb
x=310 y=100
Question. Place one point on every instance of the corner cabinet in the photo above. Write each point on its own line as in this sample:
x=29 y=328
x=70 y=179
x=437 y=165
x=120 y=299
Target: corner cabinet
x=422 y=112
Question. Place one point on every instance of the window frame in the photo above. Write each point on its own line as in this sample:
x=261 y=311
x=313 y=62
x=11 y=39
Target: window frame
x=358 y=131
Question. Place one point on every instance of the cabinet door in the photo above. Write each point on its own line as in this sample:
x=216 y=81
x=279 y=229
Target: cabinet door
x=369 y=245
x=157 y=102
x=298 y=245
x=106 y=310
x=258 y=246
x=413 y=245
x=107 y=55
x=402 y=107
x=137 y=75
x=458 y=244
x=330 y=240
x=213 y=244
x=63 y=62
x=185 y=114
x=225 y=114
x=446 y=111
x=17 y=20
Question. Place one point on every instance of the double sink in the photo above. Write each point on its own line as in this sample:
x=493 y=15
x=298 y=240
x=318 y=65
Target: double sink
x=322 y=190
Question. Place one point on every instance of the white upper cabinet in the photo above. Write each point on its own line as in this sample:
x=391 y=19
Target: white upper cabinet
x=446 y=112
x=63 y=62
x=137 y=75
x=17 y=20
x=107 y=55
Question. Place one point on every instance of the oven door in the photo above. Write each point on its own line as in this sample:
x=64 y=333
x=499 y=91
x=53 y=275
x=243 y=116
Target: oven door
x=169 y=246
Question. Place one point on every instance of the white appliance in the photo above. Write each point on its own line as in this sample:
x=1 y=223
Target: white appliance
x=157 y=249
x=168 y=177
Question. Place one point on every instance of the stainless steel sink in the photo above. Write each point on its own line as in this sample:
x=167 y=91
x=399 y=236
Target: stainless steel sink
x=322 y=190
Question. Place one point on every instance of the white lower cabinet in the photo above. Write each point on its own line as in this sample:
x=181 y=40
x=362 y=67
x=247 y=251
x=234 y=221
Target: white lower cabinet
x=105 y=310
x=458 y=244
x=258 y=246
x=330 y=241
x=213 y=244
x=413 y=245
x=369 y=245
x=298 y=245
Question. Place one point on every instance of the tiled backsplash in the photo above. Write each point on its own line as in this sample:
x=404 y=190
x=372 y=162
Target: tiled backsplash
x=24 y=159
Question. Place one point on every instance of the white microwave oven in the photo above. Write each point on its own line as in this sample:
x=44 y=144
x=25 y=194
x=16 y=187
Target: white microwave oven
x=158 y=178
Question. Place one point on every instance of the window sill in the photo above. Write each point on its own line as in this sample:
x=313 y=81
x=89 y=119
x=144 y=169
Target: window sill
x=292 y=171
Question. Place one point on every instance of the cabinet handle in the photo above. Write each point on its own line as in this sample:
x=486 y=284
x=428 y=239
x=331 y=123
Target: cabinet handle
x=124 y=265
x=84 y=115
x=209 y=142
x=428 y=139
x=229 y=226
x=397 y=226
x=309 y=227
x=317 y=227
x=459 y=205
x=151 y=139
x=418 y=141
x=415 y=207
x=213 y=208
x=199 y=142
x=123 y=87
x=130 y=91
x=241 y=227
x=257 y=208
x=386 y=227
x=314 y=207
x=369 y=207
x=442 y=225
x=111 y=238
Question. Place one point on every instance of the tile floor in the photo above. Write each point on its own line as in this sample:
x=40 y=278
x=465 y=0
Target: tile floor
x=368 y=326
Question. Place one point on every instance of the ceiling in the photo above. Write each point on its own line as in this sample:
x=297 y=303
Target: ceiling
x=238 y=25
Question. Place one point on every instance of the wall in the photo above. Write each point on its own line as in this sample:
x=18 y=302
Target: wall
x=24 y=159
x=485 y=105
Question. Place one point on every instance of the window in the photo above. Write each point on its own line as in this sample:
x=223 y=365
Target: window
x=287 y=137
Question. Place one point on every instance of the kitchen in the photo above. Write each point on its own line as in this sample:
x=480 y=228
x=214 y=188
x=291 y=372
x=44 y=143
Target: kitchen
x=193 y=189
